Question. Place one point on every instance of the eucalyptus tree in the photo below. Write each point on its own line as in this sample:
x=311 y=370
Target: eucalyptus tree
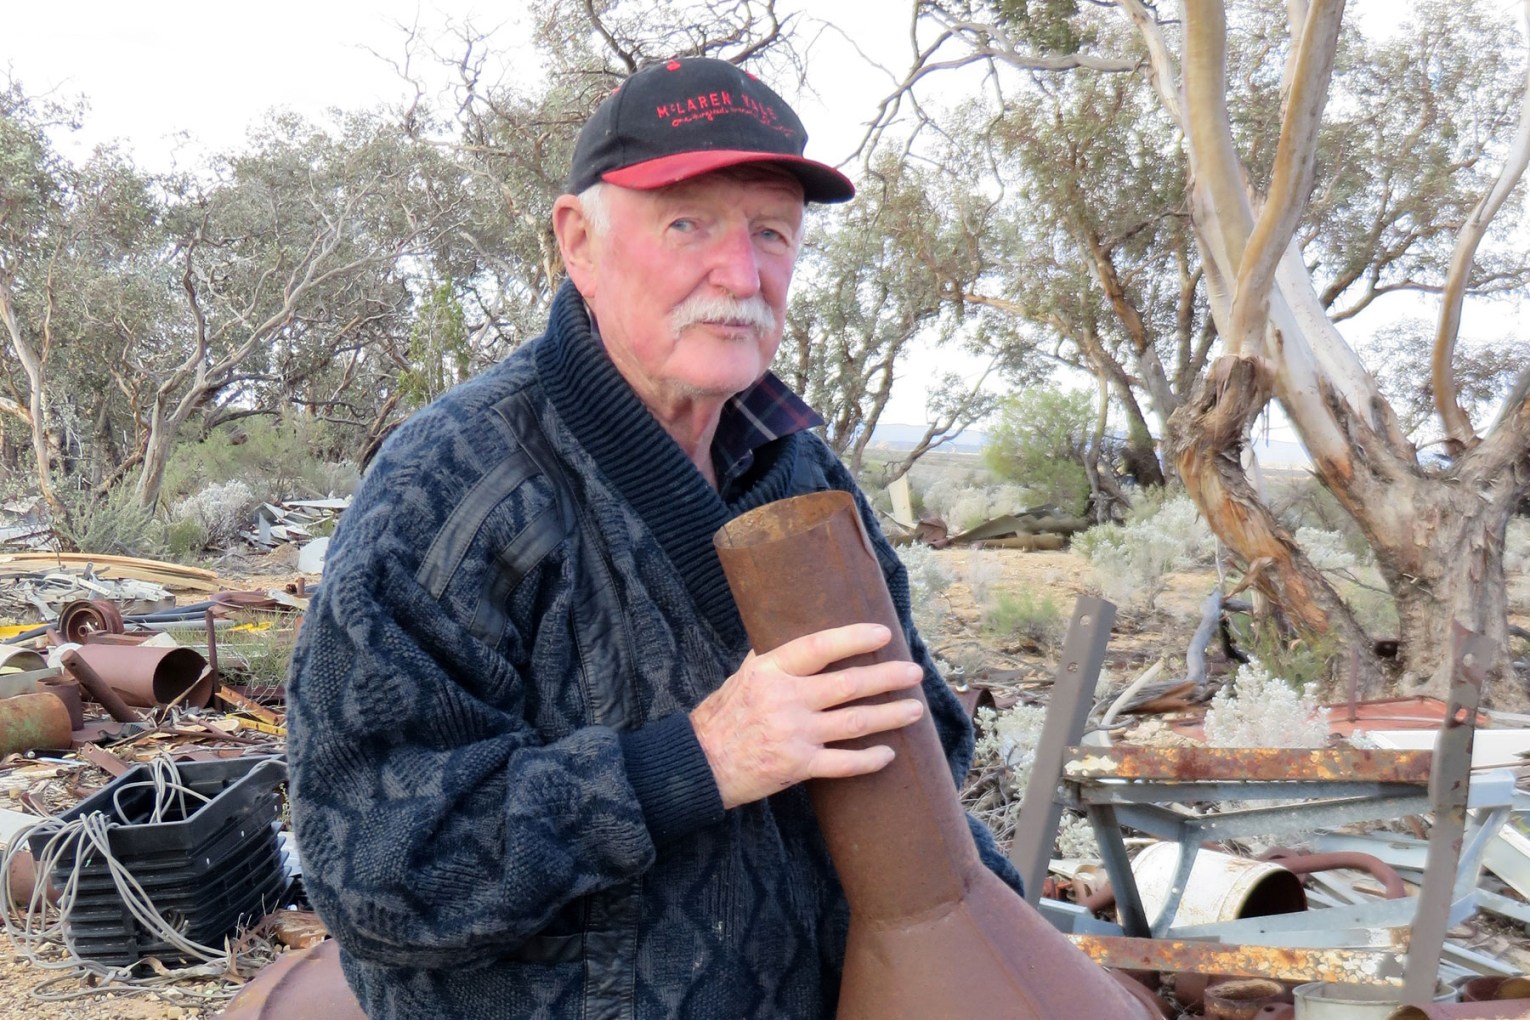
x=877 y=275
x=78 y=252
x=290 y=257
x=1320 y=170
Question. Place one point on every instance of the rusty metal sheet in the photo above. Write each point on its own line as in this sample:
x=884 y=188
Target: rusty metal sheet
x=1255 y=764
x=305 y=984
x=1283 y=963
x=1471 y=657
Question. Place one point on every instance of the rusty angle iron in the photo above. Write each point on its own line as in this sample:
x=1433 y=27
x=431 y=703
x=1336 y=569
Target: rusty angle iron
x=933 y=932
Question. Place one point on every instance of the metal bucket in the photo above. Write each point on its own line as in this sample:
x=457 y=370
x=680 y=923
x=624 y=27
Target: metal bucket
x=1221 y=887
x=1331 y=1000
x=146 y=677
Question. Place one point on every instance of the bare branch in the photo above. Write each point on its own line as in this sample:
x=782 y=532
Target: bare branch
x=1458 y=427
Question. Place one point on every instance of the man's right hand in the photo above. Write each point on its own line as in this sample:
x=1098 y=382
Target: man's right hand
x=767 y=726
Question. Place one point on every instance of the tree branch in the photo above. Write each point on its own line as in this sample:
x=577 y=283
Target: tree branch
x=1459 y=433
x=1291 y=180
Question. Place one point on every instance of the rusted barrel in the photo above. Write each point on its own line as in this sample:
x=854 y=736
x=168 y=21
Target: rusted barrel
x=31 y=721
x=932 y=931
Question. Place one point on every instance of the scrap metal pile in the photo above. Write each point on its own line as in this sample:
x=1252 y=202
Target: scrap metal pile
x=142 y=736
x=1409 y=892
x=142 y=783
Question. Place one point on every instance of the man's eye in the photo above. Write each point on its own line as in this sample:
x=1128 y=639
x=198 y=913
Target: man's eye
x=683 y=226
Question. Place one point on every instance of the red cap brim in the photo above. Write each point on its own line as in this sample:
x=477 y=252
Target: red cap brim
x=820 y=183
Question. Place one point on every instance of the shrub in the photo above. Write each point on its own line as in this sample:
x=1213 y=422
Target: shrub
x=1328 y=550
x=114 y=524
x=218 y=512
x=277 y=459
x=928 y=579
x=1132 y=560
x=1009 y=737
x=1259 y=709
x=983 y=570
x=1024 y=615
x=1040 y=441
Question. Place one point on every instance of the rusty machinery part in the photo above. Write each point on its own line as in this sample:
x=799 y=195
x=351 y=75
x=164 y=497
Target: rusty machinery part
x=145 y=677
x=82 y=620
x=29 y=722
x=1494 y=989
x=1510 y=1009
x=933 y=932
x=304 y=984
x=1243 y=998
x=97 y=688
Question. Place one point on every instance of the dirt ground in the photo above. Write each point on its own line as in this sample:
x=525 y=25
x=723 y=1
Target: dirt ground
x=1137 y=641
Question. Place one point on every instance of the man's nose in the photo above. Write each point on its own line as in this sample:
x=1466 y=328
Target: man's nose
x=735 y=263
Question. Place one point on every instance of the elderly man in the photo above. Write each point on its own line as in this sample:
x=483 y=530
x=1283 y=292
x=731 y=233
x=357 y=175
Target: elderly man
x=537 y=771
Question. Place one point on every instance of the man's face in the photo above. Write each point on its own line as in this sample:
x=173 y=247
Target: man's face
x=688 y=283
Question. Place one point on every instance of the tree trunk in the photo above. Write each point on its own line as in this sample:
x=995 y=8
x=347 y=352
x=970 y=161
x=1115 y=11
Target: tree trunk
x=1206 y=439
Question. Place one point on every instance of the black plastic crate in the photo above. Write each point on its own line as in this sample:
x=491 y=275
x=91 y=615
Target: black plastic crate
x=205 y=868
x=240 y=790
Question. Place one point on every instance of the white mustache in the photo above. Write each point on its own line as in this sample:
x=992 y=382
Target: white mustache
x=752 y=311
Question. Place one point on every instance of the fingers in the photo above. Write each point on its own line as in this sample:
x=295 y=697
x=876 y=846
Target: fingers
x=813 y=652
x=781 y=719
x=864 y=720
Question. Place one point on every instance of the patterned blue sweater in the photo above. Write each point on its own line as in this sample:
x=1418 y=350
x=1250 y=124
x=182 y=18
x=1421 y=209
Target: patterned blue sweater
x=500 y=803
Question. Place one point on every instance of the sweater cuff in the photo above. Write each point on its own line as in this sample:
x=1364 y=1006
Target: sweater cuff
x=673 y=780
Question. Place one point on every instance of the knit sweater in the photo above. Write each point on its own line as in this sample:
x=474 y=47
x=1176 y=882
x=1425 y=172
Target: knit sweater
x=501 y=806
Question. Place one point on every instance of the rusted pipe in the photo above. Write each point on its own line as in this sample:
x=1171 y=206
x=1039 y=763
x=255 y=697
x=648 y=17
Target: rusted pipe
x=31 y=721
x=147 y=677
x=932 y=931
x=1299 y=863
x=1242 y=998
x=303 y=984
x=98 y=688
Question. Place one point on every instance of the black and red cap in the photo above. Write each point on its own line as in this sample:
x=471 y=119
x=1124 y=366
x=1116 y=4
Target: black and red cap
x=689 y=116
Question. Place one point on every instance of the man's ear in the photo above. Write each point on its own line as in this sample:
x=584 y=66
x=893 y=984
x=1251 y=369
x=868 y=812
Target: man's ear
x=576 y=243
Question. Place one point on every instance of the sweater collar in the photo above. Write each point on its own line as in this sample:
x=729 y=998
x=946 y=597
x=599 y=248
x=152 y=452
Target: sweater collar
x=642 y=462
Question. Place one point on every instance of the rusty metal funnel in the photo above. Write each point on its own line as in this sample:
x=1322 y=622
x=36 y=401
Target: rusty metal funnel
x=147 y=677
x=933 y=932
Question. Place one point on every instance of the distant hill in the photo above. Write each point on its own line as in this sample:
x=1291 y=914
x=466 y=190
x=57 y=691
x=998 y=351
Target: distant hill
x=903 y=437
x=1272 y=452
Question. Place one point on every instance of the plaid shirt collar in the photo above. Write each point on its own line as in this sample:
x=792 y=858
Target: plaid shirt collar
x=766 y=411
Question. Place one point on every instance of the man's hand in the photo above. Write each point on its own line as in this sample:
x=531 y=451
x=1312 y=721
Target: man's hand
x=765 y=728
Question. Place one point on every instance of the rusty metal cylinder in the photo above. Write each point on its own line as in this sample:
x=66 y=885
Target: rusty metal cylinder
x=932 y=931
x=145 y=677
x=98 y=688
x=32 y=721
x=1243 y=998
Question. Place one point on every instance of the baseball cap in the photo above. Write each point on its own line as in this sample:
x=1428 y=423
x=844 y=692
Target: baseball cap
x=691 y=115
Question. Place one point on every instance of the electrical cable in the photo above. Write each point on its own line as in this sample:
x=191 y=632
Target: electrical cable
x=38 y=927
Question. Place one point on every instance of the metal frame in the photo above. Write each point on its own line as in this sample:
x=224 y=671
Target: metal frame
x=1398 y=942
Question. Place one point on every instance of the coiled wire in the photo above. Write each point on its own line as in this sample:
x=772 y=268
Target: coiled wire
x=38 y=929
